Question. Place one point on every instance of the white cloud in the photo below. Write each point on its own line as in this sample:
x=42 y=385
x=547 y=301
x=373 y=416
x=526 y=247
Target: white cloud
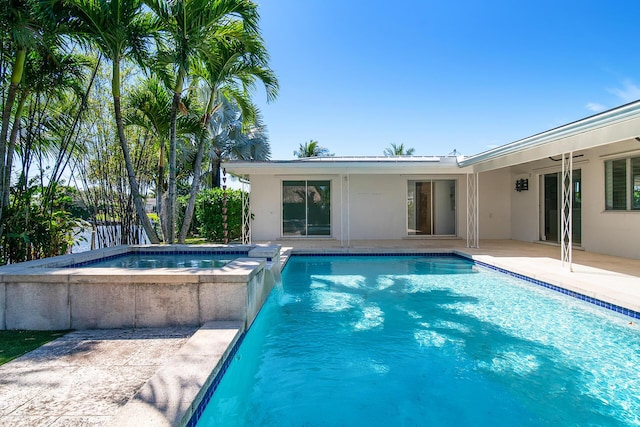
x=594 y=106
x=629 y=91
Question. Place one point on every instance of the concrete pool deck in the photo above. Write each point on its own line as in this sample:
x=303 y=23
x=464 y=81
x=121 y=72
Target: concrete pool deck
x=114 y=377
x=151 y=377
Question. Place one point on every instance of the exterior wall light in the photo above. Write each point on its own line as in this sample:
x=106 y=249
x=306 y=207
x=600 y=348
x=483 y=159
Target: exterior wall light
x=522 y=185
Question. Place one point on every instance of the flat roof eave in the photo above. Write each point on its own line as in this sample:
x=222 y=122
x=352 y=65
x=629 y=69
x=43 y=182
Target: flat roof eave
x=347 y=165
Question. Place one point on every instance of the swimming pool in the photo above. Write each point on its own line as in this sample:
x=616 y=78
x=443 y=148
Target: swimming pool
x=427 y=341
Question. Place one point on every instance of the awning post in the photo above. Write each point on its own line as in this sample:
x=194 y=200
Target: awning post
x=246 y=210
x=473 y=223
x=566 y=222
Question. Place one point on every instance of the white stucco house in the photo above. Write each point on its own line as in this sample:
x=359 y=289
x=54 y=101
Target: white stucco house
x=583 y=176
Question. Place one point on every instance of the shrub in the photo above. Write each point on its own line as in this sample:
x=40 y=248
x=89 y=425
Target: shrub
x=209 y=213
x=34 y=229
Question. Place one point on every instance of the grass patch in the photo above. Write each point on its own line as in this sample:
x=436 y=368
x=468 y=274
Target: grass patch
x=203 y=241
x=195 y=241
x=16 y=343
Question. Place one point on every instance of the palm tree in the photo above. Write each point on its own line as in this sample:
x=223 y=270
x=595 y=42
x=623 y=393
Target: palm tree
x=55 y=77
x=16 y=20
x=189 y=27
x=230 y=138
x=150 y=104
x=398 y=150
x=23 y=21
x=120 y=30
x=311 y=149
x=48 y=73
x=231 y=70
x=233 y=138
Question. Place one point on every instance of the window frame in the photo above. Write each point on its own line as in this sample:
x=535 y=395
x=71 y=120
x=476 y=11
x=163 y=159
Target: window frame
x=629 y=192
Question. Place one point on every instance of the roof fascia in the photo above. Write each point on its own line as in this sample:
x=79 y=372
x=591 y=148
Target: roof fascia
x=342 y=167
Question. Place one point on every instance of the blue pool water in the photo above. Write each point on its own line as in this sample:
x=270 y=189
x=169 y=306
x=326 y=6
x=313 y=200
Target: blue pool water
x=382 y=341
x=164 y=260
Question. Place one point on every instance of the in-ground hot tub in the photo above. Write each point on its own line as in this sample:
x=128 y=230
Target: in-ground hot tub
x=79 y=291
x=148 y=260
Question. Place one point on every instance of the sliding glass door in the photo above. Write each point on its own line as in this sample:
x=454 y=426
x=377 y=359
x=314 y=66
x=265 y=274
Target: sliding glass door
x=306 y=208
x=431 y=207
x=552 y=209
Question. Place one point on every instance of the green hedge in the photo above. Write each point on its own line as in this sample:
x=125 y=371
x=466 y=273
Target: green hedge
x=209 y=214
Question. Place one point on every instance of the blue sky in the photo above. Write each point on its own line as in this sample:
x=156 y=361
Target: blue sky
x=357 y=75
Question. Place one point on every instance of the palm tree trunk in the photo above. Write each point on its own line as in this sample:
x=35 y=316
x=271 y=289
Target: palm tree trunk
x=171 y=199
x=16 y=77
x=215 y=172
x=11 y=148
x=195 y=184
x=193 y=192
x=133 y=182
x=160 y=191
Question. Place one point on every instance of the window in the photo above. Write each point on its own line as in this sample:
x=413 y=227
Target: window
x=306 y=208
x=635 y=183
x=622 y=184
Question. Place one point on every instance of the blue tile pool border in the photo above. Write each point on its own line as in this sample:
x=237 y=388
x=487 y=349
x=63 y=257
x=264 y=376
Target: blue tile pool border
x=613 y=307
x=193 y=421
x=202 y=405
x=377 y=254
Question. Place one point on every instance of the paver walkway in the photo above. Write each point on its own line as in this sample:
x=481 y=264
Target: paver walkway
x=84 y=377
x=116 y=377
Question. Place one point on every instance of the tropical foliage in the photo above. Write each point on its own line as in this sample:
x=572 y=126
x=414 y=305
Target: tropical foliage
x=311 y=149
x=125 y=100
x=33 y=231
x=398 y=150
